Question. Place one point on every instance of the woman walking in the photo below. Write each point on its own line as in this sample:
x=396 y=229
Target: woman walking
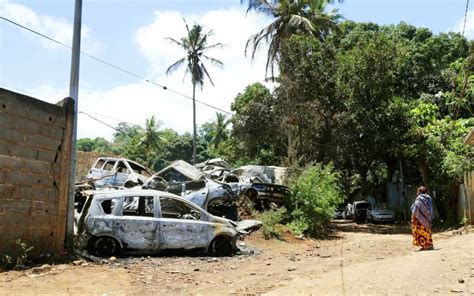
x=421 y=219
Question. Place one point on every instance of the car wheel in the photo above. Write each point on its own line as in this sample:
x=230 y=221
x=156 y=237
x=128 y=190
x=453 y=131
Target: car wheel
x=221 y=246
x=105 y=246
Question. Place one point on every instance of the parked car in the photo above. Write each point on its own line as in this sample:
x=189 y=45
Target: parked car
x=150 y=221
x=380 y=212
x=116 y=172
x=360 y=210
x=348 y=212
x=338 y=213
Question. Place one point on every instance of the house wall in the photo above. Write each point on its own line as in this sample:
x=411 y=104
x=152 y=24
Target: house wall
x=466 y=198
x=34 y=172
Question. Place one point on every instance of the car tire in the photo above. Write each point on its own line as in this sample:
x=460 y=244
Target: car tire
x=105 y=246
x=221 y=246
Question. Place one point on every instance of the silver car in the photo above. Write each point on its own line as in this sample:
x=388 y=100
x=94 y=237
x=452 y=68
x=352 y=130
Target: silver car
x=380 y=212
x=150 y=221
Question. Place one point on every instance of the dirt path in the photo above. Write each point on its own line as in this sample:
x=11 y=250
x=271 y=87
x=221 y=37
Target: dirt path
x=359 y=259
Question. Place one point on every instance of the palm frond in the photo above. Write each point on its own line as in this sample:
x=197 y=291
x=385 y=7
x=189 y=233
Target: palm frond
x=175 y=66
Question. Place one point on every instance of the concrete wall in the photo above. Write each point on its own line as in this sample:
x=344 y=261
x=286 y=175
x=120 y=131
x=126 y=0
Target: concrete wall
x=34 y=170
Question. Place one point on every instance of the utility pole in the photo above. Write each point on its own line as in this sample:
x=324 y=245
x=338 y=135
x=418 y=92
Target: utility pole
x=74 y=94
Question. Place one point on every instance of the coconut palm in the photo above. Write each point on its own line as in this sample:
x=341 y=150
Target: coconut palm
x=219 y=132
x=195 y=46
x=306 y=17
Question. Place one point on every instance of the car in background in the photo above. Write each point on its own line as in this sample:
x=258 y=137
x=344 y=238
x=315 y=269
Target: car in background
x=150 y=221
x=359 y=210
x=339 y=212
x=380 y=212
x=117 y=172
x=263 y=185
x=185 y=180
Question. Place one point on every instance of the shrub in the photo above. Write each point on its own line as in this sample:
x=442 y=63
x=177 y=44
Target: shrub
x=270 y=219
x=18 y=260
x=313 y=199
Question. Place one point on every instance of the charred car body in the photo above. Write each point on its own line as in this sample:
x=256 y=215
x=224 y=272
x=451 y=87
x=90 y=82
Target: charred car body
x=183 y=179
x=261 y=184
x=149 y=221
x=117 y=172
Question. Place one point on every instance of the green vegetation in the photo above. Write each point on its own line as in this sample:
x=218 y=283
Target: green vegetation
x=19 y=259
x=380 y=103
x=313 y=200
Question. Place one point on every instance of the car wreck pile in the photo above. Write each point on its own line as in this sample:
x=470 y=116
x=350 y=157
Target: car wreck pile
x=123 y=206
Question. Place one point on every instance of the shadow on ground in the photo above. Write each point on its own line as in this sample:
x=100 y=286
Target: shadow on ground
x=349 y=226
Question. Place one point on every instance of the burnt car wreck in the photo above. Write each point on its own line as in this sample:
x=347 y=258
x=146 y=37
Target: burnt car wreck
x=111 y=222
x=123 y=207
x=185 y=180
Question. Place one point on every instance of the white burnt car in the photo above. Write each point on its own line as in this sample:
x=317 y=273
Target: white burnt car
x=117 y=172
x=149 y=221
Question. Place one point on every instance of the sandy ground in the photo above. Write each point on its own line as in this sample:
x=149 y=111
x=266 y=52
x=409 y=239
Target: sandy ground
x=359 y=259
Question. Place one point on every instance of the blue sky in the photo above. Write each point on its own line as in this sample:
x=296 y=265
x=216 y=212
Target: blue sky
x=131 y=34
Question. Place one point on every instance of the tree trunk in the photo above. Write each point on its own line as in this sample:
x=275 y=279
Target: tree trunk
x=423 y=167
x=194 y=123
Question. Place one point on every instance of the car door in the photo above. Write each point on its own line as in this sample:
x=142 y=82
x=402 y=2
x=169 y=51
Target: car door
x=137 y=224
x=120 y=174
x=182 y=225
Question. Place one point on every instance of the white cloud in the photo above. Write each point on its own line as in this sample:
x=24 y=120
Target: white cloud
x=56 y=28
x=469 y=31
x=135 y=102
x=230 y=27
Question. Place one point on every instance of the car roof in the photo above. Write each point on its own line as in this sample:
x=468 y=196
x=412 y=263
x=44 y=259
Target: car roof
x=125 y=160
x=108 y=194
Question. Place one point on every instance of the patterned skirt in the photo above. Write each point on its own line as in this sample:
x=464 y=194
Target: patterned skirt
x=421 y=234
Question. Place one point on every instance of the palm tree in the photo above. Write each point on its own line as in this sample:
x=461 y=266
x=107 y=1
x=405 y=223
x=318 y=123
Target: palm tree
x=306 y=17
x=219 y=132
x=151 y=140
x=195 y=45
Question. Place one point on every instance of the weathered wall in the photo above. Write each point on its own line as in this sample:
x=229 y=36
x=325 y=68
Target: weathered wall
x=466 y=198
x=34 y=169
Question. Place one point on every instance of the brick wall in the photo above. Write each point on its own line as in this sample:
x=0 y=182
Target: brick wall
x=34 y=171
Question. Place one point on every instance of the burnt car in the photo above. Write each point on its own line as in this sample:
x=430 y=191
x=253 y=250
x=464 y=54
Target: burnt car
x=359 y=210
x=380 y=212
x=118 y=172
x=149 y=221
x=258 y=183
x=185 y=180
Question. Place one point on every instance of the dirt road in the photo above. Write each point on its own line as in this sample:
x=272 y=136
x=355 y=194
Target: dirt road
x=358 y=259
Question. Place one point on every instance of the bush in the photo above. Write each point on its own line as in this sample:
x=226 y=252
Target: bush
x=270 y=220
x=18 y=260
x=313 y=200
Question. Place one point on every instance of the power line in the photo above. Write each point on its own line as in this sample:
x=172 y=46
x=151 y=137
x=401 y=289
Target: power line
x=80 y=111
x=104 y=123
x=116 y=67
x=465 y=17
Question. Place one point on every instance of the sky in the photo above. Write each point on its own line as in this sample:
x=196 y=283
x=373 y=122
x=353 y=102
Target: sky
x=131 y=34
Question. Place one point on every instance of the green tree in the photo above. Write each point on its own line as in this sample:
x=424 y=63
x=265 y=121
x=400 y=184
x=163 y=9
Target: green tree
x=256 y=126
x=147 y=146
x=195 y=45
x=219 y=131
x=306 y=17
x=313 y=199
